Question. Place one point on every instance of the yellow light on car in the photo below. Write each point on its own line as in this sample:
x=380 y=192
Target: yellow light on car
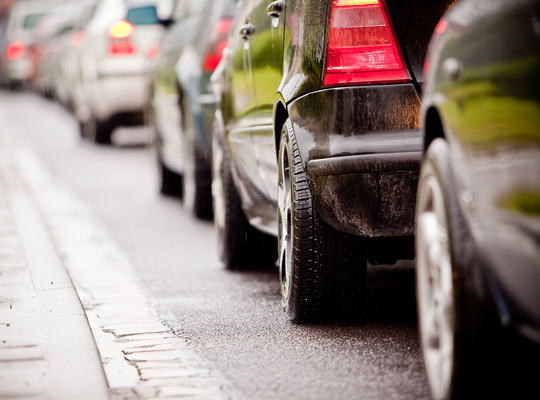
x=120 y=30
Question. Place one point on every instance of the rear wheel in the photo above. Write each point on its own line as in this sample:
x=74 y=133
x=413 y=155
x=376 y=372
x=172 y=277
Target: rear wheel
x=170 y=181
x=197 y=192
x=97 y=131
x=197 y=177
x=322 y=270
x=103 y=132
x=240 y=246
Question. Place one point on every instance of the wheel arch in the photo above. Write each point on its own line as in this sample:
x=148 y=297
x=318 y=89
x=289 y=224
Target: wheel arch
x=433 y=127
x=280 y=116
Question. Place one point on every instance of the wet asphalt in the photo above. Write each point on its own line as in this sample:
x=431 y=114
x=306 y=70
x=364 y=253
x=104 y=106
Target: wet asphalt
x=232 y=319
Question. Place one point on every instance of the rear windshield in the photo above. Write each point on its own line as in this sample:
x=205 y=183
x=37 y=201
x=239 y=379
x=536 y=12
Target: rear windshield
x=143 y=16
x=31 y=20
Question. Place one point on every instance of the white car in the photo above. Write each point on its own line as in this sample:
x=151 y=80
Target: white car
x=114 y=59
x=18 y=68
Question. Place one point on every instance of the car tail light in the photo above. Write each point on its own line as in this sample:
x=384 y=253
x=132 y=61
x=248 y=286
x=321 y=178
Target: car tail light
x=361 y=46
x=15 y=51
x=122 y=48
x=120 y=30
x=213 y=57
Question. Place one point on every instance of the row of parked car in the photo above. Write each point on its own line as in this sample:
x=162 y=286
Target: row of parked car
x=353 y=131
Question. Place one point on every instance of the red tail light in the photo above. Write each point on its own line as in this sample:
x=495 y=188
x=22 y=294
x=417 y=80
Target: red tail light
x=15 y=51
x=78 y=38
x=361 y=46
x=120 y=30
x=123 y=48
x=213 y=57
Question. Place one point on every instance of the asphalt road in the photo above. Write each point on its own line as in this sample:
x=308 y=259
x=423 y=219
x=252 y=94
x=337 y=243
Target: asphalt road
x=233 y=320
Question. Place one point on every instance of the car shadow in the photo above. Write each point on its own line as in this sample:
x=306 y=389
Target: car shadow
x=390 y=292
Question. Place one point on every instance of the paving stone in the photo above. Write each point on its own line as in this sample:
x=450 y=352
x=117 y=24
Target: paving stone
x=152 y=356
x=163 y=373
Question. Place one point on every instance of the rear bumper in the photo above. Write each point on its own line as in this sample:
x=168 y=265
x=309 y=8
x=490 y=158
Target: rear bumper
x=365 y=163
x=361 y=149
x=20 y=70
x=120 y=94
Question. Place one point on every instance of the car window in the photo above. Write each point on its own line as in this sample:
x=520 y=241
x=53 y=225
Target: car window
x=143 y=16
x=31 y=20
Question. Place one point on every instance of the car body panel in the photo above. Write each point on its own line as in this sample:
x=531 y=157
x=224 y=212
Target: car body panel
x=490 y=110
x=328 y=122
x=335 y=123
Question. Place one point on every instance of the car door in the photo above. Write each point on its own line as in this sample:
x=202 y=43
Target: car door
x=242 y=108
x=266 y=70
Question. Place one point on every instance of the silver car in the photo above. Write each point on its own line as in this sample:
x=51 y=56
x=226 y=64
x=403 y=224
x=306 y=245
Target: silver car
x=114 y=60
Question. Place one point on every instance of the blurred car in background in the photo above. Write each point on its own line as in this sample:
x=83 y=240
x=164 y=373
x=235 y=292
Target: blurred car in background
x=114 y=58
x=183 y=103
x=44 y=46
x=478 y=205
x=319 y=118
x=18 y=68
x=56 y=72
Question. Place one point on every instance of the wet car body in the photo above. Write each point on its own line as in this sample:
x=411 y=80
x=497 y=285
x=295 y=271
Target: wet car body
x=331 y=123
x=482 y=141
x=359 y=143
x=183 y=103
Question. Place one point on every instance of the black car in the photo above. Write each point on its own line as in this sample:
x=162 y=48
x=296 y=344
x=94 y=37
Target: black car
x=320 y=118
x=478 y=205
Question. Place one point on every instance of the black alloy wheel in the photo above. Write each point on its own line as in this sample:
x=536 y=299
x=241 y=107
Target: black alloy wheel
x=240 y=246
x=322 y=271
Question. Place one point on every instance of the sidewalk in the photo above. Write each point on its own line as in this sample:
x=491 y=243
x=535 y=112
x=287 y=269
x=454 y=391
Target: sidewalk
x=74 y=320
x=47 y=349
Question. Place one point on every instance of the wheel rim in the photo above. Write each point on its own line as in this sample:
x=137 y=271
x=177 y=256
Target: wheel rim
x=434 y=287
x=217 y=188
x=284 y=221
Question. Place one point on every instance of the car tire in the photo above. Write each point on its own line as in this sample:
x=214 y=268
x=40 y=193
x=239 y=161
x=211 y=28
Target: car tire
x=170 y=181
x=322 y=270
x=103 y=132
x=197 y=178
x=457 y=327
x=86 y=129
x=240 y=246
